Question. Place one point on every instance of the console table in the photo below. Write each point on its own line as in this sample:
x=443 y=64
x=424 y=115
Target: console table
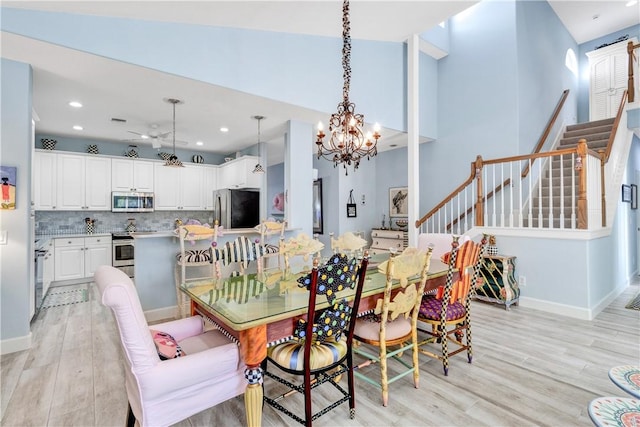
x=499 y=284
x=383 y=239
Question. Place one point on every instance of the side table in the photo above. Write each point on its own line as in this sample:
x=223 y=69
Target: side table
x=499 y=284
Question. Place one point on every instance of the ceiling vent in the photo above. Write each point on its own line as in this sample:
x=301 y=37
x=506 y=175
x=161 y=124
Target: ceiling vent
x=115 y=119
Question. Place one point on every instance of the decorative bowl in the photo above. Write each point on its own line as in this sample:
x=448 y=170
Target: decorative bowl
x=228 y=159
x=402 y=223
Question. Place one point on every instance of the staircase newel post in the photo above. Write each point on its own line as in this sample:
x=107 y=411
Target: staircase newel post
x=630 y=87
x=582 y=185
x=603 y=191
x=480 y=196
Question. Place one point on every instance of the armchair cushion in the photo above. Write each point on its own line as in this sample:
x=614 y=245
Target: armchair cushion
x=368 y=328
x=195 y=255
x=291 y=354
x=430 y=308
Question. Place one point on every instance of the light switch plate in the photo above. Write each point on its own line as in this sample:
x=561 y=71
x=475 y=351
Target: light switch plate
x=4 y=237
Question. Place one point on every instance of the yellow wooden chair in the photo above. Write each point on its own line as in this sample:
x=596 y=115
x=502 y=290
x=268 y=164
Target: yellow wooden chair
x=348 y=243
x=268 y=228
x=300 y=246
x=393 y=323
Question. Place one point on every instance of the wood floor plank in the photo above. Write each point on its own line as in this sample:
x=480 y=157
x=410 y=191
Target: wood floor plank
x=530 y=368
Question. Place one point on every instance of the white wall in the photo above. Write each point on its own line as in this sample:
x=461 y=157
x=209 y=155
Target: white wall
x=15 y=257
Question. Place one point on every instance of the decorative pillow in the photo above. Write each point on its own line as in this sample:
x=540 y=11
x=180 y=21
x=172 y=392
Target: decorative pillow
x=167 y=346
x=196 y=255
x=164 y=156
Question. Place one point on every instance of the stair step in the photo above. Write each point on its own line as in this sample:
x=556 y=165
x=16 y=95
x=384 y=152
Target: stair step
x=590 y=138
x=556 y=202
x=588 y=131
x=595 y=123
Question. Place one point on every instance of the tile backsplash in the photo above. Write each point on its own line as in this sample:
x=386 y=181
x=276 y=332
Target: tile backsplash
x=73 y=222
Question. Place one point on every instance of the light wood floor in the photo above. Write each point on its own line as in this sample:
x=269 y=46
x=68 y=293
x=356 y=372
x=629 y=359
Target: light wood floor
x=530 y=368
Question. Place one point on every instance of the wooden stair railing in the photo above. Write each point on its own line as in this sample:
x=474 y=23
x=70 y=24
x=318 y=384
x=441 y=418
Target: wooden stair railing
x=630 y=87
x=538 y=147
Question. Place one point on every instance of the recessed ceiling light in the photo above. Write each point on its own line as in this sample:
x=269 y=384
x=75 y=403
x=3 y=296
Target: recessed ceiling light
x=631 y=3
x=144 y=136
x=75 y=104
x=199 y=143
x=224 y=129
x=77 y=127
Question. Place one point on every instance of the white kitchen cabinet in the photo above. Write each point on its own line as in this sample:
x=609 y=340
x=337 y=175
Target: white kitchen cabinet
x=608 y=79
x=131 y=175
x=239 y=173
x=178 y=188
x=84 y=182
x=79 y=257
x=44 y=180
x=210 y=185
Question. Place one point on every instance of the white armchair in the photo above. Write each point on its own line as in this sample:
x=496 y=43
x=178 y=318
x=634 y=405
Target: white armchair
x=164 y=392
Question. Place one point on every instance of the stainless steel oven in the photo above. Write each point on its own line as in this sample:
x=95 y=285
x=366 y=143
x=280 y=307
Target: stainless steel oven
x=123 y=252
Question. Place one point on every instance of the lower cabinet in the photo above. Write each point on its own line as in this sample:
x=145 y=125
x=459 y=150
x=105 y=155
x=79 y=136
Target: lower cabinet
x=79 y=257
x=499 y=282
x=48 y=268
x=384 y=240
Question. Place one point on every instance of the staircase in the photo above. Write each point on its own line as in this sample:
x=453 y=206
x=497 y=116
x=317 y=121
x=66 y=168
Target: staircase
x=560 y=170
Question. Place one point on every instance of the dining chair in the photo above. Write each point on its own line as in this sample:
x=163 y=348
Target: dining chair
x=193 y=257
x=392 y=326
x=299 y=247
x=268 y=228
x=448 y=312
x=320 y=352
x=173 y=370
x=235 y=255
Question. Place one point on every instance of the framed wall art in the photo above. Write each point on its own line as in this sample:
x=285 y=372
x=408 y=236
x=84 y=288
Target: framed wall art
x=8 y=185
x=317 y=207
x=398 y=202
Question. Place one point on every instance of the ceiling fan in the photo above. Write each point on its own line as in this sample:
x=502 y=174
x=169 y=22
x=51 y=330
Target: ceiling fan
x=156 y=138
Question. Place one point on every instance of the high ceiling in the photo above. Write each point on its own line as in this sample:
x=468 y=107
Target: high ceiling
x=112 y=89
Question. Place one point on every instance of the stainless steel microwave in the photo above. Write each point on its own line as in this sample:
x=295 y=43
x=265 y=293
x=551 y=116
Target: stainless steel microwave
x=131 y=202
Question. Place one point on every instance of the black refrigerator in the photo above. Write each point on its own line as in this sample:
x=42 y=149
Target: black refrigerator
x=236 y=208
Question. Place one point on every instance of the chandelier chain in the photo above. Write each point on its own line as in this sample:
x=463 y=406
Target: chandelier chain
x=346 y=52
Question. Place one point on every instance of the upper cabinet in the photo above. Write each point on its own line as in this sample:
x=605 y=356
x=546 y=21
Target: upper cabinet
x=608 y=79
x=131 y=175
x=84 y=182
x=44 y=180
x=178 y=188
x=239 y=174
x=210 y=185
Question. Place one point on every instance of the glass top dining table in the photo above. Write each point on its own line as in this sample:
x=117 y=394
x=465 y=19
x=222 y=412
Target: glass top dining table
x=249 y=300
x=261 y=308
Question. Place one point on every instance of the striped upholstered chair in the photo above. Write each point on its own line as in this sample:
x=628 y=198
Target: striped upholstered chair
x=449 y=311
x=320 y=353
x=237 y=254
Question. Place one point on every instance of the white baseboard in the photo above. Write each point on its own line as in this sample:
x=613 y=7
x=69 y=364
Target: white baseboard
x=161 y=314
x=15 y=344
x=556 y=308
x=570 y=310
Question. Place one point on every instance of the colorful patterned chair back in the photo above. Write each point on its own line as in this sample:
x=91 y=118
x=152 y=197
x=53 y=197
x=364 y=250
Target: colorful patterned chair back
x=240 y=251
x=468 y=260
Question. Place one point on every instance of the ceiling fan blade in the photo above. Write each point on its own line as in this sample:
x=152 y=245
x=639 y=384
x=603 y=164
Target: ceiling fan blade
x=166 y=143
x=136 y=133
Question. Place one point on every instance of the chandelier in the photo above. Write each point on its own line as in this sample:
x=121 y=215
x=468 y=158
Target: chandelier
x=173 y=160
x=347 y=142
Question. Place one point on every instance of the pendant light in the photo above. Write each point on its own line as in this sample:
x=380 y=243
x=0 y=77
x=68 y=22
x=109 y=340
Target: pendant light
x=259 y=168
x=173 y=160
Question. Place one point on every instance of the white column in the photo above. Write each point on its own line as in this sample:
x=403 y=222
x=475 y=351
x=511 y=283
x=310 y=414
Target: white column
x=413 y=130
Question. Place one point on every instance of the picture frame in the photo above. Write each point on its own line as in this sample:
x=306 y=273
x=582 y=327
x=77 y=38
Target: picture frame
x=398 y=202
x=626 y=193
x=317 y=207
x=634 y=196
x=8 y=176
